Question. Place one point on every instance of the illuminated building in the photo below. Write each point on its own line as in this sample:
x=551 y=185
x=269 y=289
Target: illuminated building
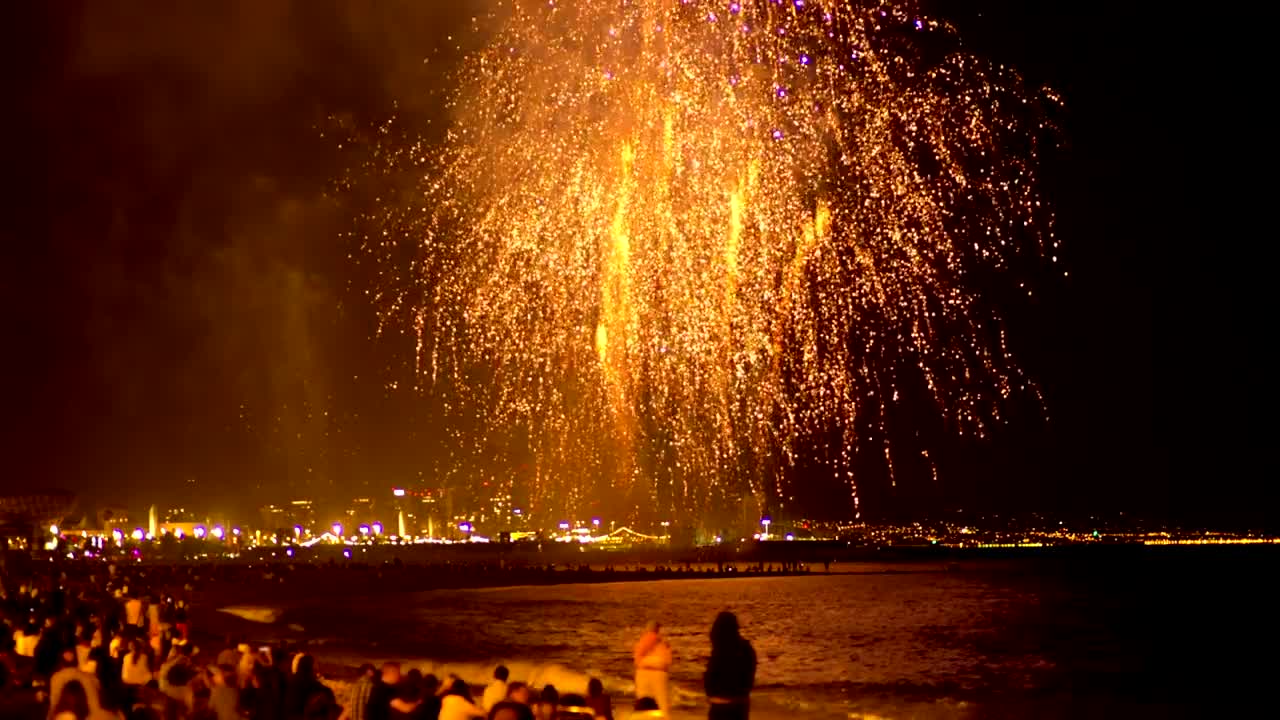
x=295 y=512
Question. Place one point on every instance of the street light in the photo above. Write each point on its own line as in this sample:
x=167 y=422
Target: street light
x=595 y=522
x=218 y=532
x=337 y=529
x=398 y=492
x=297 y=530
x=766 y=521
x=53 y=529
x=377 y=528
x=199 y=532
x=364 y=529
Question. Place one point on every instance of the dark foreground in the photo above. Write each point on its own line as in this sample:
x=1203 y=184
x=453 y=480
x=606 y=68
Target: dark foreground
x=1157 y=632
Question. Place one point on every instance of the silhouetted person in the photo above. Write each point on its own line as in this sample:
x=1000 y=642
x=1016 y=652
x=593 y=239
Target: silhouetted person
x=360 y=692
x=510 y=710
x=519 y=692
x=384 y=691
x=545 y=708
x=731 y=670
x=303 y=689
x=646 y=707
x=72 y=703
x=599 y=702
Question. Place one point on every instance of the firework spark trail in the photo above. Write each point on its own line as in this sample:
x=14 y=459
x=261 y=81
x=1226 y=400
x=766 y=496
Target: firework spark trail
x=684 y=239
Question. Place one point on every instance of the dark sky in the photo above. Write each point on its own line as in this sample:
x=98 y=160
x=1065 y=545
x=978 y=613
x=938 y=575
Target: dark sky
x=179 y=305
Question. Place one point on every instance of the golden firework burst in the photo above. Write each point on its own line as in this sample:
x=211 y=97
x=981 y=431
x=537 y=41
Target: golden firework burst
x=674 y=242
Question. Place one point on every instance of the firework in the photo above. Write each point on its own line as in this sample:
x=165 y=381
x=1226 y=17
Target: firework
x=668 y=244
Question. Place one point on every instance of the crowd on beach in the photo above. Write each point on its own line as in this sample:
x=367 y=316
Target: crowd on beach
x=97 y=641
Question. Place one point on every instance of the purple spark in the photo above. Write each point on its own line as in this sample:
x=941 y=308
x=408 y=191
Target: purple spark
x=782 y=92
x=735 y=8
x=711 y=17
x=799 y=3
x=777 y=134
x=919 y=24
x=804 y=59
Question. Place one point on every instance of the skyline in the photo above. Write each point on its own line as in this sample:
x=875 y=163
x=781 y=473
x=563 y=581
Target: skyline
x=198 y=301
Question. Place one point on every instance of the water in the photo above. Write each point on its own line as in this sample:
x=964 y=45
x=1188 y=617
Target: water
x=1157 y=634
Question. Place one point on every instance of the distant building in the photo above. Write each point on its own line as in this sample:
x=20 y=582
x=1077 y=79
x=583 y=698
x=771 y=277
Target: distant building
x=113 y=517
x=288 y=515
x=176 y=514
x=27 y=514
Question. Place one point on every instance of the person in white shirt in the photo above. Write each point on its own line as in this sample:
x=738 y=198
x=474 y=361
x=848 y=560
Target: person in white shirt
x=25 y=640
x=496 y=691
x=456 y=702
x=653 y=665
x=136 y=668
x=133 y=611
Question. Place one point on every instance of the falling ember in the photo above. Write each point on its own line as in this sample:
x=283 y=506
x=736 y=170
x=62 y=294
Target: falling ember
x=675 y=280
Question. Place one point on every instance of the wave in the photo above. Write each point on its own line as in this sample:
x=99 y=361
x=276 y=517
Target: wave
x=254 y=613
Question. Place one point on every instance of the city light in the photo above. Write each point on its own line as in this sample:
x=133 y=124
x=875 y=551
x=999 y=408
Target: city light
x=464 y=527
x=595 y=522
x=398 y=492
x=235 y=531
x=564 y=525
x=377 y=528
x=199 y=532
x=364 y=529
x=53 y=529
x=178 y=533
x=138 y=534
x=337 y=529
x=346 y=553
x=117 y=535
x=297 y=530
x=518 y=511
x=218 y=532
x=789 y=536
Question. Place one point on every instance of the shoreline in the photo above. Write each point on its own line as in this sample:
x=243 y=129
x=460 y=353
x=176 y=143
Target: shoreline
x=289 y=584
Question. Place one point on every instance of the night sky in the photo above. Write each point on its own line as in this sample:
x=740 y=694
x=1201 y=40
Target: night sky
x=177 y=276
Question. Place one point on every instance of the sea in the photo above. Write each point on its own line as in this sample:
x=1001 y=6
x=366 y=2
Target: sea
x=1172 y=632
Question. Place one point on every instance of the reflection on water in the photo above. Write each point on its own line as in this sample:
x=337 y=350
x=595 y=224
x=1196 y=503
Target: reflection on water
x=1011 y=638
